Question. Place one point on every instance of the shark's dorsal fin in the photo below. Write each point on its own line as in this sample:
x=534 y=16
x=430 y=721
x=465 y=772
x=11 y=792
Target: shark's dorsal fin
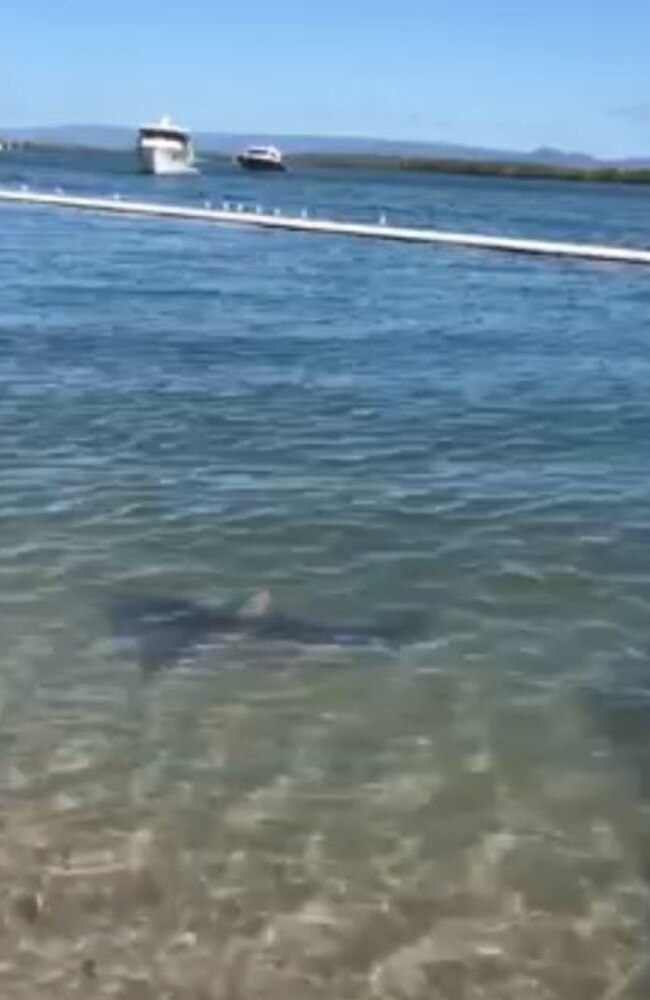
x=256 y=605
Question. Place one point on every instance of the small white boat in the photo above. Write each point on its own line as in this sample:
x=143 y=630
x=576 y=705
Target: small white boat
x=165 y=148
x=261 y=158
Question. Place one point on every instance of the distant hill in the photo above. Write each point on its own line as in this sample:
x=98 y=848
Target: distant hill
x=118 y=137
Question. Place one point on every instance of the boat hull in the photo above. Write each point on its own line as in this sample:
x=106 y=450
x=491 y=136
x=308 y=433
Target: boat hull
x=266 y=166
x=165 y=160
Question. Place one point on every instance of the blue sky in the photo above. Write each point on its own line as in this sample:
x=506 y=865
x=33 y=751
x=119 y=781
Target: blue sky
x=506 y=73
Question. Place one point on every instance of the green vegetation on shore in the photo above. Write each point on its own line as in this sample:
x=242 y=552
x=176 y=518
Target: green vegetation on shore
x=483 y=168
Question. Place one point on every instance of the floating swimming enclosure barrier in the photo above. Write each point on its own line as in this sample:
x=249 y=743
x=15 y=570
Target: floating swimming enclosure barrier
x=116 y=205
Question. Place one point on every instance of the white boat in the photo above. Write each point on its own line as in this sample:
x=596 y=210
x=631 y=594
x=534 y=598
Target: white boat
x=261 y=158
x=165 y=148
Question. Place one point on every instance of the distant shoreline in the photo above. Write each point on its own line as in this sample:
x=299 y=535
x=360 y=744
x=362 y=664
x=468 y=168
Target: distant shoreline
x=478 y=168
x=398 y=164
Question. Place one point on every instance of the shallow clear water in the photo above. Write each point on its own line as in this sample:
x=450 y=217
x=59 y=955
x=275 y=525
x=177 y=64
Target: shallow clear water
x=365 y=429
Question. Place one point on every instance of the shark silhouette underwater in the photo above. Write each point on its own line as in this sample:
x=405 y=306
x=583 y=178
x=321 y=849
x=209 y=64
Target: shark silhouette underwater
x=160 y=631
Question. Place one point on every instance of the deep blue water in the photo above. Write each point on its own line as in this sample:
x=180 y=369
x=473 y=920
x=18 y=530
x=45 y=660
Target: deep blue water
x=364 y=429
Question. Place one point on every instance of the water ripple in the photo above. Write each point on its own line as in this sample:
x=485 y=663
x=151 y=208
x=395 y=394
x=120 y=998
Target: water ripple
x=369 y=431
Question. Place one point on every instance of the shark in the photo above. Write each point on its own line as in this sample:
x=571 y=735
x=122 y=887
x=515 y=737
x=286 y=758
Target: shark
x=162 y=630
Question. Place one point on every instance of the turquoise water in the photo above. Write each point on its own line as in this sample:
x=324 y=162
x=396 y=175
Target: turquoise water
x=364 y=429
